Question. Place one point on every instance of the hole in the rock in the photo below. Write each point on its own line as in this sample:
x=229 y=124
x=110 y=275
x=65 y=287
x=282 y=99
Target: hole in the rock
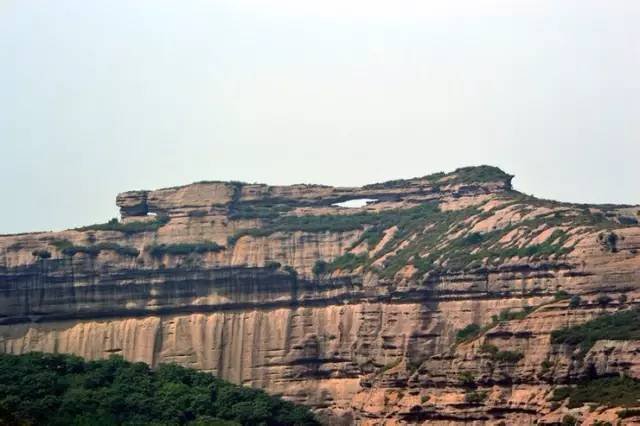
x=355 y=203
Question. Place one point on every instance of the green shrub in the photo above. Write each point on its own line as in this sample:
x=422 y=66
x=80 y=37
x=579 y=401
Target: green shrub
x=320 y=268
x=609 y=240
x=475 y=397
x=569 y=420
x=603 y=300
x=472 y=239
x=466 y=379
x=391 y=364
x=46 y=389
x=290 y=270
x=42 y=254
x=272 y=264
x=561 y=393
x=260 y=209
x=500 y=356
x=470 y=331
x=611 y=391
x=130 y=227
x=488 y=348
x=373 y=236
x=183 y=249
x=575 y=302
x=509 y=315
x=508 y=356
x=624 y=325
x=197 y=213
x=347 y=262
x=480 y=174
x=629 y=412
x=561 y=295
x=69 y=249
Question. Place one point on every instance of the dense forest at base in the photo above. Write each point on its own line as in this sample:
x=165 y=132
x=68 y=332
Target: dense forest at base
x=53 y=389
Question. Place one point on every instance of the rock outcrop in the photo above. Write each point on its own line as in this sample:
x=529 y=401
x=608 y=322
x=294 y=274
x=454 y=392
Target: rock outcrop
x=353 y=311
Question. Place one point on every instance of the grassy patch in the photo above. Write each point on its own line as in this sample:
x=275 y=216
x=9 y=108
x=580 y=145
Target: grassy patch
x=348 y=262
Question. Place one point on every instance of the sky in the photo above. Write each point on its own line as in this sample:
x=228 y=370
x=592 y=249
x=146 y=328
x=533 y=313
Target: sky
x=99 y=97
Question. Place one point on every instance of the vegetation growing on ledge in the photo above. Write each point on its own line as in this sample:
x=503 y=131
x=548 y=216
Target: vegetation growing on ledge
x=508 y=315
x=260 y=209
x=69 y=249
x=432 y=239
x=183 y=249
x=610 y=391
x=609 y=240
x=42 y=254
x=197 y=213
x=130 y=227
x=47 y=389
x=470 y=331
x=347 y=262
x=623 y=325
x=475 y=397
x=290 y=270
x=501 y=356
x=320 y=267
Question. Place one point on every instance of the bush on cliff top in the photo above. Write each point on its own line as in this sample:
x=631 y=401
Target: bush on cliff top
x=48 y=389
x=130 y=227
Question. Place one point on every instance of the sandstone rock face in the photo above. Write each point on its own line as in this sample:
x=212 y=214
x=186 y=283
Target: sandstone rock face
x=353 y=311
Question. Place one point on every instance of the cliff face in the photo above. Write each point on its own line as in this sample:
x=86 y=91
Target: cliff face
x=354 y=311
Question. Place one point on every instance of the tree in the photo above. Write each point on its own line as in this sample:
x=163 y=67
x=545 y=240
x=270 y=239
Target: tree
x=575 y=302
x=320 y=268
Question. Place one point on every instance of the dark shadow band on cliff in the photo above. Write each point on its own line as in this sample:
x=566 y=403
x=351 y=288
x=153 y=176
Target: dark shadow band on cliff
x=58 y=289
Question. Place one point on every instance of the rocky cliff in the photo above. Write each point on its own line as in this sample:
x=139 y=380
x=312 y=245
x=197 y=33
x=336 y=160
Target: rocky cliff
x=432 y=301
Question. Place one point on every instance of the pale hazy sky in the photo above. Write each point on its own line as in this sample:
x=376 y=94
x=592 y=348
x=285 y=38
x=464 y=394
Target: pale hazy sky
x=99 y=97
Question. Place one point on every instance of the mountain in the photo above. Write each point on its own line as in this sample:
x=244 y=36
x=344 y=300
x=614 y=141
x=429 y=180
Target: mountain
x=435 y=299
